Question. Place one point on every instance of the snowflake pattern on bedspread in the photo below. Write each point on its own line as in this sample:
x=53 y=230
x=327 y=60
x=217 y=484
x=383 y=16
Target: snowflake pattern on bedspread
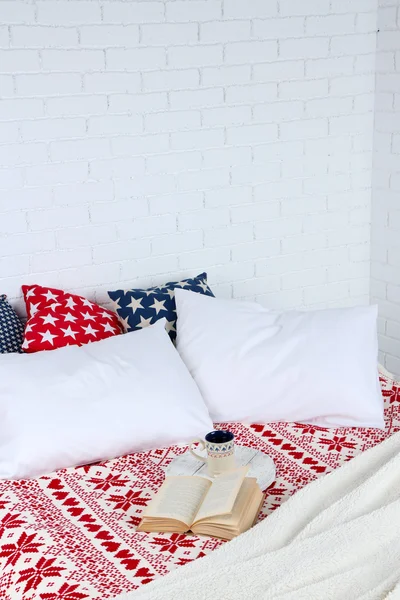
x=71 y=535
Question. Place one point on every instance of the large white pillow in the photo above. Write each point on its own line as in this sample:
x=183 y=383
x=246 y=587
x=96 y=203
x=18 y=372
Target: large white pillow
x=77 y=405
x=255 y=365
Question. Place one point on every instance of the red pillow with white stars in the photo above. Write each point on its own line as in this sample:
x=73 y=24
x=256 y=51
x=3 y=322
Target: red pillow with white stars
x=57 y=319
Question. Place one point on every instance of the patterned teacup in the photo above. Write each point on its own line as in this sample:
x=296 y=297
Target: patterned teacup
x=220 y=448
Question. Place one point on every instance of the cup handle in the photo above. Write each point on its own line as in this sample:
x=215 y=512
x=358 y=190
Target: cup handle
x=202 y=445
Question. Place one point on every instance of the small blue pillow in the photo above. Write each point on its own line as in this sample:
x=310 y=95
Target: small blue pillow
x=139 y=308
x=11 y=328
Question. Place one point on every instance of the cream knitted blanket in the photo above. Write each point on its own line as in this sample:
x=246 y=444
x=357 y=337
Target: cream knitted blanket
x=336 y=539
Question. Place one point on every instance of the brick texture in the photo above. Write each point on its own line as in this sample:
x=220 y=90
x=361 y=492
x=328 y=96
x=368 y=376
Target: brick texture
x=385 y=237
x=146 y=140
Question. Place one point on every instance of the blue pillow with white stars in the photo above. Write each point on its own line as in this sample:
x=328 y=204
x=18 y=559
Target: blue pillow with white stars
x=11 y=328
x=139 y=308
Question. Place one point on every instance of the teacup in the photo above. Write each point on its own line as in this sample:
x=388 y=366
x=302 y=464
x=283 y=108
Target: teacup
x=220 y=448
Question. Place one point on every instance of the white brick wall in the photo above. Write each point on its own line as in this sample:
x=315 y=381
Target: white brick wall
x=385 y=239
x=145 y=140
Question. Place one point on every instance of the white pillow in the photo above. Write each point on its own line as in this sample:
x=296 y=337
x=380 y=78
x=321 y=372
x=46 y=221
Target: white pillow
x=255 y=365
x=77 y=405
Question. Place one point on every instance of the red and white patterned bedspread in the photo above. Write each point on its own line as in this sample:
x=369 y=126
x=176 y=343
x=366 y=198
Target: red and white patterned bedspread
x=71 y=535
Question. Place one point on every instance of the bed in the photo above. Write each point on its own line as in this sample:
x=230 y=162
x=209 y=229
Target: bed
x=71 y=534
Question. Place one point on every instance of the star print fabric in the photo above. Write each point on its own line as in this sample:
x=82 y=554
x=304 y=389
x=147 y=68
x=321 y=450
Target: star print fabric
x=11 y=328
x=57 y=319
x=138 y=308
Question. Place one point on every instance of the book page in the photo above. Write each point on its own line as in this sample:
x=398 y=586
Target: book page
x=244 y=514
x=244 y=499
x=178 y=498
x=222 y=494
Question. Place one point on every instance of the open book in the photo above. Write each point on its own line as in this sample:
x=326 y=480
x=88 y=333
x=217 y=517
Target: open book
x=221 y=508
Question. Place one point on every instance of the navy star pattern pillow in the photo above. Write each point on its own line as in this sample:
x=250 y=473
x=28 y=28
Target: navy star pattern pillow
x=11 y=328
x=139 y=308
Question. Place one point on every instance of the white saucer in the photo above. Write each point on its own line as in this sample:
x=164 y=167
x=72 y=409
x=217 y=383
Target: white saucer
x=261 y=465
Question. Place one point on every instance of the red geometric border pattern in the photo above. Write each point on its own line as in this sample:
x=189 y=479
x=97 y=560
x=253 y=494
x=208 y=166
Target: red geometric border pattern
x=71 y=535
